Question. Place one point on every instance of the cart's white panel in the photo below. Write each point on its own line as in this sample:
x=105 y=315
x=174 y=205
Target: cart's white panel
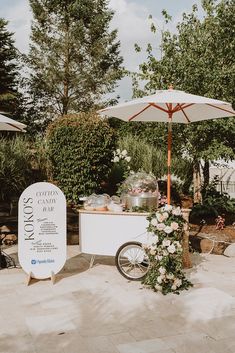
x=103 y=234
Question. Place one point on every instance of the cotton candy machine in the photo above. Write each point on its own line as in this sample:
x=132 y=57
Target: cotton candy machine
x=140 y=190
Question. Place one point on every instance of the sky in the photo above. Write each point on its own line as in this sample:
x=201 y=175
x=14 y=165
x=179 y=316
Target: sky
x=131 y=20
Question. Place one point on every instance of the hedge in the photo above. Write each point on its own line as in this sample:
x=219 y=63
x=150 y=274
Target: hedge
x=80 y=150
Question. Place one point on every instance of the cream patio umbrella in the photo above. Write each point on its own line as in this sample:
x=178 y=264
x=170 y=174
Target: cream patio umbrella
x=8 y=124
x=170 y=106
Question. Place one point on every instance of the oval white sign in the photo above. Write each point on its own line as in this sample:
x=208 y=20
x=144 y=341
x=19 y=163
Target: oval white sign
x=42 y=230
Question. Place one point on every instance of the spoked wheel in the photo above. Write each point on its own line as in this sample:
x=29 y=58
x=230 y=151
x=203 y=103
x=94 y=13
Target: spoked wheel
x=132 y=261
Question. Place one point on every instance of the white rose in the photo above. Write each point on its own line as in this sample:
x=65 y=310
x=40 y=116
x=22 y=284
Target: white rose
x=176 y=211
x=165 y=215
x=168 y=230
x=152 y=240
x=155 y=239
x=171 y=249
x=124 y=153
x=118 y=151
x=158 y=287
x=128 y=159
x=160 y=226
x=116 y=159
x=173 y=287
x=154 y=222
x=167 y=208
x=166 y=242
x=159 y=279
x=174 y=225
x=162 y=270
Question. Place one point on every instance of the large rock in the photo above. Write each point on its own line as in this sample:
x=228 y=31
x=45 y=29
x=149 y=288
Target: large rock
x=209 y=243
x=208 y=246
x=230 y=251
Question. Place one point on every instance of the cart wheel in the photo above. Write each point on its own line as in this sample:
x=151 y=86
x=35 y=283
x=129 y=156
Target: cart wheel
x=132 y=261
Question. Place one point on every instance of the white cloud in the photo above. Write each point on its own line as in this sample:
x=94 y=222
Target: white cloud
x=19 y=16
x=131 y=20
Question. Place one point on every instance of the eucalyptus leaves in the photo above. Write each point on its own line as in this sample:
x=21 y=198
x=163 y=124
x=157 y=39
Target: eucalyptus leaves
x=165 y=251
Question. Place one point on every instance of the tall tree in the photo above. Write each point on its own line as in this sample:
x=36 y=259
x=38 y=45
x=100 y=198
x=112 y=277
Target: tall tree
x=74 y=57
x=8 y=70
x=198 y=58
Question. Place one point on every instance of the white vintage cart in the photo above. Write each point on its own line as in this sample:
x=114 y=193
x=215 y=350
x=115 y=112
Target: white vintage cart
x=103 y=232
x=108 y=233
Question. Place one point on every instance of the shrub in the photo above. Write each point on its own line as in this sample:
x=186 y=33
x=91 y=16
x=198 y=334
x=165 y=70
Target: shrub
x=80 y=149
x=213 y=204
x=40 y=160
x=15 y=166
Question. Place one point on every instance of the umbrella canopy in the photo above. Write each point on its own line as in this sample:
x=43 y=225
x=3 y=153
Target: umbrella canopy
x=170 y=106
x=8 y=124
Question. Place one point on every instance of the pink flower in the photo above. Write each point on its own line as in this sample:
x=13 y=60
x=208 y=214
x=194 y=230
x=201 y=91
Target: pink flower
x=160 y=217
x=174 y=225
x=160 y=226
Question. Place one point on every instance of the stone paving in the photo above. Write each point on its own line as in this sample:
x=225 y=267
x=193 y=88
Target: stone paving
x=98 y=311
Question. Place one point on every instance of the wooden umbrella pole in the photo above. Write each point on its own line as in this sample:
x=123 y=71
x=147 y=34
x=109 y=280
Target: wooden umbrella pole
x=169 y=159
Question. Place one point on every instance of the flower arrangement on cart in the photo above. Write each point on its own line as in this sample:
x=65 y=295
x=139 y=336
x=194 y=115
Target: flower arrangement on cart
x=164 y=250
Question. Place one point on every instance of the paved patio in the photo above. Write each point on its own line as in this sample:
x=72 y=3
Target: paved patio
x=98 y=311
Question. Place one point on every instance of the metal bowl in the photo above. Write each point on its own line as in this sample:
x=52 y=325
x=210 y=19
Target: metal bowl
x=144 y=200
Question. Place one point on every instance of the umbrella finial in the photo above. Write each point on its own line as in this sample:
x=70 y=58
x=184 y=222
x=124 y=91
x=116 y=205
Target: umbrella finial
x=171 y=87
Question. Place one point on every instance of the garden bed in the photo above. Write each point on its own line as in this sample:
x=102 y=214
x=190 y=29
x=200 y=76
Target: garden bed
x=206 y=238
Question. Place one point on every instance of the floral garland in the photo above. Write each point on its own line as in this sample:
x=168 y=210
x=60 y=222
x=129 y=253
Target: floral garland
x=164 y=250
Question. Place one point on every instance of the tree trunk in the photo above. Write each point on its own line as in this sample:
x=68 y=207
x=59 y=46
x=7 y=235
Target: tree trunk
x=206 y=174
x=65 y=99
x=197 y=196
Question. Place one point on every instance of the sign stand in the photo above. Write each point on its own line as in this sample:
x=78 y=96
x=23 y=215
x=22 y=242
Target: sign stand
x=53 y=280
x=42 y=231
x=29 y=277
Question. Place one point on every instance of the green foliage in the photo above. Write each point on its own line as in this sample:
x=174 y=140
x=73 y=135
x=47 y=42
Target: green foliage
x=152 y=132
x=74 y=57
x=8 y=70
x=15 y=167
x=40 y=161
x=80 y=150
x=165 y=251
x=213 y=203
x=143 y=155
